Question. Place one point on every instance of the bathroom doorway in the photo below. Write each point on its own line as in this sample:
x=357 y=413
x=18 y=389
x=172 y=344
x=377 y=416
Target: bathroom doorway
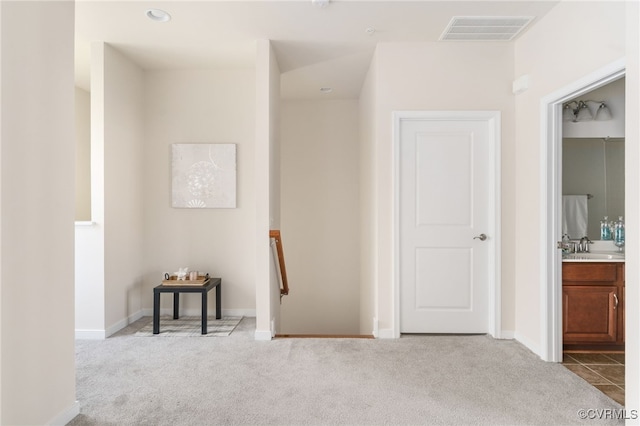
x=552 y=224
x=551 y=197
x=593 y=199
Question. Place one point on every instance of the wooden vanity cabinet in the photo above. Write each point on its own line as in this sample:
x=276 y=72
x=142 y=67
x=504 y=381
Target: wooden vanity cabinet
x=593 y=303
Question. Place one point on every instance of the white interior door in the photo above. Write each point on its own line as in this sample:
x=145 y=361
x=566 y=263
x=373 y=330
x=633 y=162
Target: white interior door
x=445 y=228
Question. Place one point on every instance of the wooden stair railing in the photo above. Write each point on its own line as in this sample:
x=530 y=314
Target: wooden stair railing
x=284 y=289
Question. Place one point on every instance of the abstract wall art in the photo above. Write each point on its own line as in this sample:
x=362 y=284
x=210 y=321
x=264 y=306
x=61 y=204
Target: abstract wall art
x=203 y=175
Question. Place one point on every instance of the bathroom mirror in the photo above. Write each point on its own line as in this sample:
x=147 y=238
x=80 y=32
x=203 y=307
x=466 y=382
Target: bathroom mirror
x=595 y=166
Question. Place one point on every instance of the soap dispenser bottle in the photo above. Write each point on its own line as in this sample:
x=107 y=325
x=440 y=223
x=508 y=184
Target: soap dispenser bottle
x=618 y=233
x=605 y=229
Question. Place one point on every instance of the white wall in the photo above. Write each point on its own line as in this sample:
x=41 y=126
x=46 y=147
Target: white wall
x=267 y=211
x=37 y=209
x=89 y=253
x=552 y=61
x=90 y=240
x=123 y=189
x=274 y=184
x=274 y=143
x=367 y=228
x=614 y=35
x=83 y=154
x=109 y=261
x=200 y=106
x=89 y=279
x=320 y=216
x=440 y=76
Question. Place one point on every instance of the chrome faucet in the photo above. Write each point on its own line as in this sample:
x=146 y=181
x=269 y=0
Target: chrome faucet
x=583 y=245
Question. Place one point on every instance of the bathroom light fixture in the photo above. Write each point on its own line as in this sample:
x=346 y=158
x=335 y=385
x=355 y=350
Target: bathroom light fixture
x=585 y=111
x=158 y=15
x=569 y=112
x=603 y=112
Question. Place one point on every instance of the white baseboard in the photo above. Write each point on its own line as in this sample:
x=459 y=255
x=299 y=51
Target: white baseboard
x=90 y=334
x=528 y=343
x=66 y=415
x=195 y=312
x=123 y=323
x=103 y=334
x=239 y=313
x=507 y=335
x=385 y=333
x=263 y=335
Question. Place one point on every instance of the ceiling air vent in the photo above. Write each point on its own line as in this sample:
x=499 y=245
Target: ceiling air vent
x=485 y=28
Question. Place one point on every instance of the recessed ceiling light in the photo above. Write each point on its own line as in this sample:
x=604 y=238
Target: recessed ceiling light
x=158 y=15
x=326 y=89
x=370 y=30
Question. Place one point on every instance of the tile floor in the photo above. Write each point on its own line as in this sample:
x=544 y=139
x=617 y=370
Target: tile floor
x=604 y=371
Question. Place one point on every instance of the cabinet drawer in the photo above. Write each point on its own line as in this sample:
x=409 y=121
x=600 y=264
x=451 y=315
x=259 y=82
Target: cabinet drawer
x=589 y=272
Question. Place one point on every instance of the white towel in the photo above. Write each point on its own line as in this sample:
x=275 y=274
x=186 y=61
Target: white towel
x=574 y=216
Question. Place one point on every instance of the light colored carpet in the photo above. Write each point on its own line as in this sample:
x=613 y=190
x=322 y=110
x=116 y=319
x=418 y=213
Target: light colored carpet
x=456 y=380
x=190 y=326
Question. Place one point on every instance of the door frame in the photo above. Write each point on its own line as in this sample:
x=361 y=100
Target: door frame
x=551 y=205
x=493 y=118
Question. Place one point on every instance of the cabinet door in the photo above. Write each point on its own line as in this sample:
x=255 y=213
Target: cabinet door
x=590 y=313
x=622 y=315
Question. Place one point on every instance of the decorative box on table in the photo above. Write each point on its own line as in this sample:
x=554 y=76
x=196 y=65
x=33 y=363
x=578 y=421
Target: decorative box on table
x=172 y=280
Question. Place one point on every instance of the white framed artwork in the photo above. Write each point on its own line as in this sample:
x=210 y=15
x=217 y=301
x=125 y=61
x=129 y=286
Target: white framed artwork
x=203 y=175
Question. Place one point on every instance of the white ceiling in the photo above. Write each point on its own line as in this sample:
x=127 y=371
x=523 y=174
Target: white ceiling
x=315 y=47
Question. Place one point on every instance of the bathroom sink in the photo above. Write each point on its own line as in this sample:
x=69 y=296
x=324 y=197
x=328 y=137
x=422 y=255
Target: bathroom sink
x=594 y=257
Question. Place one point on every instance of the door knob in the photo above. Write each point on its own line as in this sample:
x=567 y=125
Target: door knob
x=481 y=237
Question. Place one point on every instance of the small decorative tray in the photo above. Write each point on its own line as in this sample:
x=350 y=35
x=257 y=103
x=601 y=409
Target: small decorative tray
x=173 y=280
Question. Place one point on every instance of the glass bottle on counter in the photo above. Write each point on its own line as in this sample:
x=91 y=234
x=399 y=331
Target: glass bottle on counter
x=605 y=229
x=618 y=233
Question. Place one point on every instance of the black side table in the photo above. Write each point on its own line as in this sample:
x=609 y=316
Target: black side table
x=177 y=289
